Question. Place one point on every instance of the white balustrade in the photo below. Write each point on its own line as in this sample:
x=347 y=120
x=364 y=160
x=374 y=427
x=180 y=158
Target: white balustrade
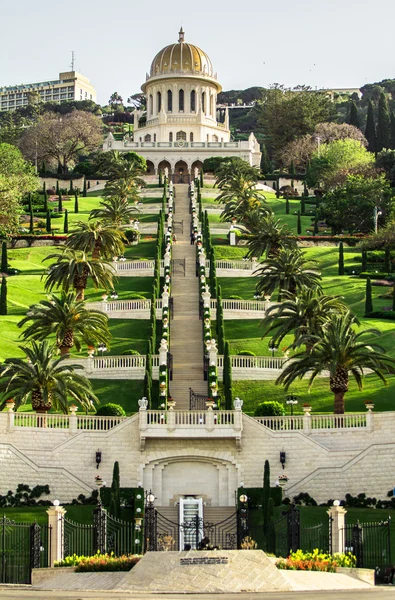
x=242 y=305
x=127 y=305
x=315 y=422
x=253 y=362
x=293 y=423
x=119 y=362
x=133 y=265
x=93 y=423
x=49 y=421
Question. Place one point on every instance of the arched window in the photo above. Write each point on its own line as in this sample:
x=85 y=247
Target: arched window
x=147 y=138
x=211 y=104
x=170 y=136
x=151 y=105
x=193 y=101
x=158 y=101
x=181 y=135
x=169 y=101
x=204 y=102
x=181 y=100
x=191 y=137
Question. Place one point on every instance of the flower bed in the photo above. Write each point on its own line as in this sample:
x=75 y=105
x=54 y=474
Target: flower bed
x=316 y=561
x=100 y=562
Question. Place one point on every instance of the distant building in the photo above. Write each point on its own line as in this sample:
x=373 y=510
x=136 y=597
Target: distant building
x=70 y=86
x=336 y=92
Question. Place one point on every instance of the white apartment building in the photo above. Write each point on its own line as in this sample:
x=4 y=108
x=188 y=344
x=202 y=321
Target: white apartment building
x=70 y=86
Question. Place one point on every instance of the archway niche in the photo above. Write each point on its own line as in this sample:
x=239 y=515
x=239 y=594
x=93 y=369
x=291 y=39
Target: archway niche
x=150 y=168
x=181 y=172
x=163 y=165
x=197 y=164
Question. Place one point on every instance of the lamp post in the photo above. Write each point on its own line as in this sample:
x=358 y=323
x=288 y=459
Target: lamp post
x=272 y=348
x=291 y=400
x=102 y=348
x=376 y=214
x=150 y=539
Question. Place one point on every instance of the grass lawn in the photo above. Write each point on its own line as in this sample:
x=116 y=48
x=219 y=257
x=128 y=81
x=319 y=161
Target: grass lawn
x=145 y=249
x=125 y=392
x=238 y=286
x=128 y=334
x=125 y=287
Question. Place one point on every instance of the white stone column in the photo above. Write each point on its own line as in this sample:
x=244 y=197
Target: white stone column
x=307 y=423
x=212 y=353
x=210 y=419
x=73 y=423
x=337 y=515
x=89 y=363
x=55 y=522
x=163 y=352
x=171 y=419
x=143 y=405
x=206 y=298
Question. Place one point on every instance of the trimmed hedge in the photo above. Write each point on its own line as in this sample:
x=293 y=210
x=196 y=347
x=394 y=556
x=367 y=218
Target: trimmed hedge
x=110 y=410
x=255 y=496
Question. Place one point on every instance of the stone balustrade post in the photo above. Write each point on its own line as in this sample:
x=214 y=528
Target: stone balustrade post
x=307 y=423
x=143 y=405
x=163 y=353
x=165 y=299
x=202 y=259
x=238 y=405
x=89 y=364
x=210 y=419
x=171 y=419
x=55 y=522
x=212 y=353
x=337 y=523
x=11 y=418
x=206 y=296
x=370 y=421
x=73 y=424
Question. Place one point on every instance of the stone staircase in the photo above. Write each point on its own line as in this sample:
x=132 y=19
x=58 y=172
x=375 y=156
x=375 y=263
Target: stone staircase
x=186 y=328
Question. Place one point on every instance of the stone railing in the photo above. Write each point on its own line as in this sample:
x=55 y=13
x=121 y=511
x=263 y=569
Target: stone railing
x=116 y=367
x=234 y=268
x=73 y=423
x=252 y=367
x=309 y=423
x=136 y=268
x=190 y=423
x=242 y=309
x=127 y=309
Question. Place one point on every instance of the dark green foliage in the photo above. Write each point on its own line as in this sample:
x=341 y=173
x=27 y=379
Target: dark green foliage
x=316 y=226
x=29 y=202
x=160 y=178
x=71 y=189
x=387 y=260
x=353 y=115
x=4 y=258
x=364 y=266
x=370 y=130
x=25 y=496
x=266 y=166
x=75 y=203
x=393 y=299
x=60 y=203
x=115 y=506
x=48 y=222
x=277 y=188
x=84 y=190
x=66 y=221
x=3 y=296
x=302 y=205
x=110 y=410
x=266 y=496
x=213 y=276
x=341 y=259
x=286 y=206
x=368 y=297
x=271 y=408
x=57 y=187
x=392 y=141
x=201 y=178
x=227 y=378
x=44 y=186
x=31 y=222
x=45 y=204
x=299 y=224
x=255 y=496
x=148 y=379
x=383 y=124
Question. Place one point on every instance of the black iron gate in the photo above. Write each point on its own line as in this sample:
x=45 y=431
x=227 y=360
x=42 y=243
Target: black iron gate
x=371 y=545
x=23 y=547
x=162 y=534
x=197 y=401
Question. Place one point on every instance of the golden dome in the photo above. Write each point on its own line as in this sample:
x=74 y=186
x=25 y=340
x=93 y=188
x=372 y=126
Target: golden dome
x=181 y=58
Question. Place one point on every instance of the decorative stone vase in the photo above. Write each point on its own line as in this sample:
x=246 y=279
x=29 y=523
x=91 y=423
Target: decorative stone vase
x=307 y=409
x=171 y=404
x=10 y=404
x=91 y=350
x=209 y=404
x=73 y=409
x=369 y=406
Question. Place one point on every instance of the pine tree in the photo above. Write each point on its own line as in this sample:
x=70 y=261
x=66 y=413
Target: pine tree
x=368 y=298
x=115 y=492
x=299 y=224
x=353 y=116
x=4 y=258
x=45 y=205
x=266 y=166
x=392 y=141
x=364 y=265
x=66 y=221
x=31 y=223
x=201 y=178
x=71 y=190
x=387 y=260
x=341 y=259
x=383 y=124
x=60 y=203
x=286 y=206
x=48 y=222
x=3 y=296
x=57 y=187
x=84 y=192
x=76 y=203
x=265 y=498
x=370 y=131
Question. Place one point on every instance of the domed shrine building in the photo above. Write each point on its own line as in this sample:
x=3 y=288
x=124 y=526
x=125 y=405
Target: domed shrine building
x=182 y=125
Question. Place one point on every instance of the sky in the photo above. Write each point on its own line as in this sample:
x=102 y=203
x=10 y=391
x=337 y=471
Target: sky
x=320 y=43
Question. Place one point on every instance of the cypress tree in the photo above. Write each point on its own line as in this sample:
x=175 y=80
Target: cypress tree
x=3 y=296
x=392 y=140
x=44 y=187
x=29 y=202
x=315 y=225
x=148 y=379
x=45 y=205
x=393 y=298
x=368 y=297
x=76 y=203
x=160 y=178
x=60 y=203
x=302 y=206
x=266 y=497
x=201 y=178
x=286 y=206
x=266 y=166
x=387 y=260
x=353 y=115
x=364 y=265
x=227 y=378
x=383 y=124
x=153 y=317
x=31 y=224
x=48 y=222
x=277 y=188
x=370 y=131
x=115 y=491
x=218 y=309
x=221 y=338
x=66 y=221
x=305 y=190
x=71 y=190
x=299 y=224
x=84 y=192
x=341 y=259
x=57 y=187
x=4 y=258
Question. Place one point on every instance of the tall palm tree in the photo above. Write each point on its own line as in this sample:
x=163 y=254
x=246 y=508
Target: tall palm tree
x=72 y=270
x=115 y=212
x=98 y=239
x=287 y=271
x=341 y=351
x=43 y=380
x=236 y=180
x=70 y=321
x=267 y=235
x=305 y=315
x=240 y=205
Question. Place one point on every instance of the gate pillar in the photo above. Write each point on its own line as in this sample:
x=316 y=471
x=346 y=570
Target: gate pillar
x=337 y=524
x=55 y=524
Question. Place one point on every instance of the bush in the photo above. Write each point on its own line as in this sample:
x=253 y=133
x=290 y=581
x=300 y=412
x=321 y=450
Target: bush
x=304 y=499
x=130 y=352
x=269 y=409
x=99 y=562
x=110 y=410
x=316 y=561
x=132 y=235
x=376 y=275
x=246 y=353
x=382 y=314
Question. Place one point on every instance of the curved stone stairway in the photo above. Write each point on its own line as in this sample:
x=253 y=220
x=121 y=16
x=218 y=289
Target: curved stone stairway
x=186 y=340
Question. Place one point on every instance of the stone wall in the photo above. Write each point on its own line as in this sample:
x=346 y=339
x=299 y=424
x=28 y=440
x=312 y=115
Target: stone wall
x=325 y=463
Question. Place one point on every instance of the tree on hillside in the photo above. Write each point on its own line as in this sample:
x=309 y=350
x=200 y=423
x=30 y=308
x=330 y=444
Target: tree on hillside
x=383 y=124
x=115 y=101
x=266 y=235
x=17 y=178
x=97 y=238
x=62 y=138
x=286 y=114
x=342 y=351
x=353 y=118
x=370 y=131
x=114 y=212
x=385 y=160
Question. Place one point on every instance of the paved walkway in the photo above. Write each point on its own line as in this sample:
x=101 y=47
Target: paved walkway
x=186 y=341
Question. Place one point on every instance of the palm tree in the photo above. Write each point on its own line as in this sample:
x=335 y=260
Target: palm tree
x=267 y=235
x=123 y=189
x=341 y=351
x=98 y=239
x=240 y=205
x=237 y=180
x=115 y=212
x=305 y=314
x=72 y=270
x=287 y=271
x=43 y=380
x=70 y=321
